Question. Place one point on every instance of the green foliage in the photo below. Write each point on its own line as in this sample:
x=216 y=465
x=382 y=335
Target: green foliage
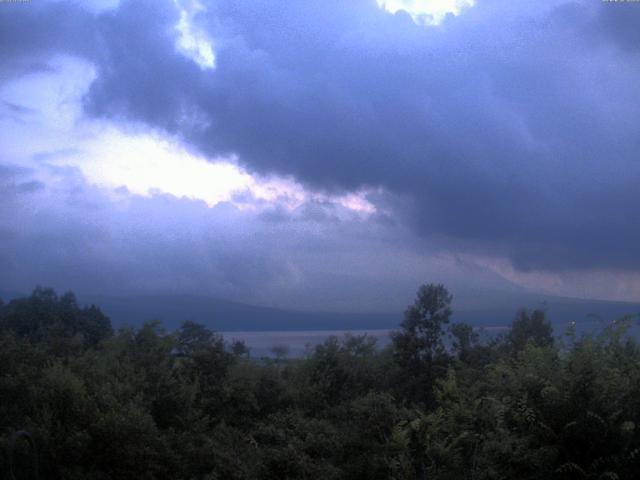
x=418 y=347
x=532 y=327
x=57 y=321
x=149 y=404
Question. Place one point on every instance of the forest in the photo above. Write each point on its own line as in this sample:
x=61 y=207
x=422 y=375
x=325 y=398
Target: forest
x=79 y=400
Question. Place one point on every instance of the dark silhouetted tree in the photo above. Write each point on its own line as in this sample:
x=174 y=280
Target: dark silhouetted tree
x=418 y=347
x=464 y=339
x=532 y=327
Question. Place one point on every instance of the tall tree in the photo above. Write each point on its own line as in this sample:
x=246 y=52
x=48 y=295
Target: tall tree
x=532 y=327
x=418 y=347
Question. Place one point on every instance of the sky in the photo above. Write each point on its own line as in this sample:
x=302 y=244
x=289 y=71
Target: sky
x=321 y=155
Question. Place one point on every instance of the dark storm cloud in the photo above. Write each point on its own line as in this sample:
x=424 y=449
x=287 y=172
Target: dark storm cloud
x=620 y=22
x=31 y=33
x=511 y=130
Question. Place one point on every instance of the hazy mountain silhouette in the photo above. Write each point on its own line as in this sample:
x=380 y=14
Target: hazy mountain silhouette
x=223 y=315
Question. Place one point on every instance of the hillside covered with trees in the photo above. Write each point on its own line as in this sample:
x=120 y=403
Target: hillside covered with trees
x=81 y=401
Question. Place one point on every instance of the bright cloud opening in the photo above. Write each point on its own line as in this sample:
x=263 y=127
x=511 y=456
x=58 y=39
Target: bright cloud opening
x=193 y=41
x=427 y=12
x=144 y=162
x=146 y=165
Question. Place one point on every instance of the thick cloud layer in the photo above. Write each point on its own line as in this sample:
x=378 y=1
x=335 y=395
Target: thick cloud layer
x=511 y=130
x=72 y=235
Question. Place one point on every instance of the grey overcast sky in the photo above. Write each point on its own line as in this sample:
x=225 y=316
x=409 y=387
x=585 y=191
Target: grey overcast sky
x=321 y=154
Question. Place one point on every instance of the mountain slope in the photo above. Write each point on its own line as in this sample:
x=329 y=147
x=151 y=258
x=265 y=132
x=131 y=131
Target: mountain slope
x=223 y=315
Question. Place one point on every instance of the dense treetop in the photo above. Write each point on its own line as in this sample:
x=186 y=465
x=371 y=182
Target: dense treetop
x=91 y=403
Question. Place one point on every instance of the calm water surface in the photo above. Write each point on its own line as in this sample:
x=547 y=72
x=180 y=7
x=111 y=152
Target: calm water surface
x=299 y=342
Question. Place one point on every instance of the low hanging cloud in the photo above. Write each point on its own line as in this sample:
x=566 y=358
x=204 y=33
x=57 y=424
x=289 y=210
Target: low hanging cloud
x=74 y=235
x=510 y=130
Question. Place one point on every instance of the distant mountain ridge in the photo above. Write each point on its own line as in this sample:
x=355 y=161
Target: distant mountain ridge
x=224 y=315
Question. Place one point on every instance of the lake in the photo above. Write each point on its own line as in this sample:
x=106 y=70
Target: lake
x=300 y=341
